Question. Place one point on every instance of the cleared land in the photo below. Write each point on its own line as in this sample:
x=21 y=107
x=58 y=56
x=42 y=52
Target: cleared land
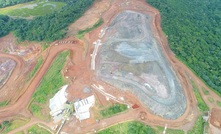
x=49 y=85
x=32 y=9
x=80 y=75
x=6 y=67
x=23 y=101
x=216 y=118
x=15 y=81
x=81 y=33
x=131 y=59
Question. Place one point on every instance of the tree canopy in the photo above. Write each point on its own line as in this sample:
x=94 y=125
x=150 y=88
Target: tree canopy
x=49 y=27
x=193 y=29
x=5 y=3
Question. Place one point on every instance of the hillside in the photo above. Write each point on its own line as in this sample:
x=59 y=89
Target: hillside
x=193 y=30
x=5 y=3
x=48 y=27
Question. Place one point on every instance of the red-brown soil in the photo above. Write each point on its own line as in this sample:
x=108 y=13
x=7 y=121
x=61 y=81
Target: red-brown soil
x=23 y=100
x=79 y=75
x=215 y=118
x=14 y=81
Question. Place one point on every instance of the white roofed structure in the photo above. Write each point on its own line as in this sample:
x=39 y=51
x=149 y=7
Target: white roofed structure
x=56 y=104
x=82 y=107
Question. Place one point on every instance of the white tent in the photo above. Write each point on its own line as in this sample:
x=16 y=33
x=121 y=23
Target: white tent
x=82 y=107
x=57 y=102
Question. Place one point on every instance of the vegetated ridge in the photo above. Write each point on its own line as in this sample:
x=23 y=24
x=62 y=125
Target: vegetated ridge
x=49 y=27
x=193 y=29
x=29 y=10
x=5 y=3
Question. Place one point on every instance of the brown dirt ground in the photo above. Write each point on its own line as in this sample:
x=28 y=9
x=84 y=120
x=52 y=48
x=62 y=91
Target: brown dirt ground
x=25 y=55
x=91 y=16
x=14 y=80
x=215 y=119
x=24 y=98
x=80 y=75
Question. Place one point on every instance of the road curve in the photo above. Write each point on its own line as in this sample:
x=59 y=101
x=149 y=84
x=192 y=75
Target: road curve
x=23 y=100
x=18 y=68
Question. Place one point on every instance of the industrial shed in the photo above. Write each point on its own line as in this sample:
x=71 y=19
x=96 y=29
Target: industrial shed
x=82 y=107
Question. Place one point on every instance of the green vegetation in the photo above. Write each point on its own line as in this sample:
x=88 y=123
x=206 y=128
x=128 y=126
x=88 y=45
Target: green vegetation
x=5 y=50
x=211 y=100
x=159 y=130
x=193 y=29
x=35 y=129
x=112 y=110
x=21 y=132
x=198 y=127
x=45 y=46
x=49 y=27
x=37 y=66
x=218 y=103
x=5 y=3
x=206 y=92
x=50 y=84
x=201 y=104
x=4 y=103
x=32 y=9
x=81 y=33
x=132 y=127
x=7 y=126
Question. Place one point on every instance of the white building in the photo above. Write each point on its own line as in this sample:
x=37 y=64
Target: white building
x=57 y=103
x=82 y=107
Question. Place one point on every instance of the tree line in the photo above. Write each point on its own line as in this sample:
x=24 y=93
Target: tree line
x=49 y=27
x=193 y=30
x=5 y=3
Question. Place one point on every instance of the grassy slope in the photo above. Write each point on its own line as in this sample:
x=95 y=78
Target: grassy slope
x=112 y=110
x=201 y=103
x=159 y=130
x=37 y=66
x=132 y=127
x=4 y=103
x=22 y=10
x=81 y=33
x=49 y=85
x=11 y=125
x=198 y=127
x=37 y=130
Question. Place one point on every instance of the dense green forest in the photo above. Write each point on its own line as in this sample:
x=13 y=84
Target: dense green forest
x=5 y=3
x=4 y=25
x=49 y=27
x=193 y=29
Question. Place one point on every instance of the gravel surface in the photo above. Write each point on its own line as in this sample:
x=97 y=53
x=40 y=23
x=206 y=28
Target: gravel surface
x=131 y=59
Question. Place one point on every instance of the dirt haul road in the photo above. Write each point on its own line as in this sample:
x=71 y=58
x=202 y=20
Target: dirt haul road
x=116 y=7
x=10 y=85
x=20 y=105
x=141 y=6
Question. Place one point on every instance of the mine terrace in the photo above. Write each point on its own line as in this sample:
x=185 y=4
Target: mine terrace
x=122 y=70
